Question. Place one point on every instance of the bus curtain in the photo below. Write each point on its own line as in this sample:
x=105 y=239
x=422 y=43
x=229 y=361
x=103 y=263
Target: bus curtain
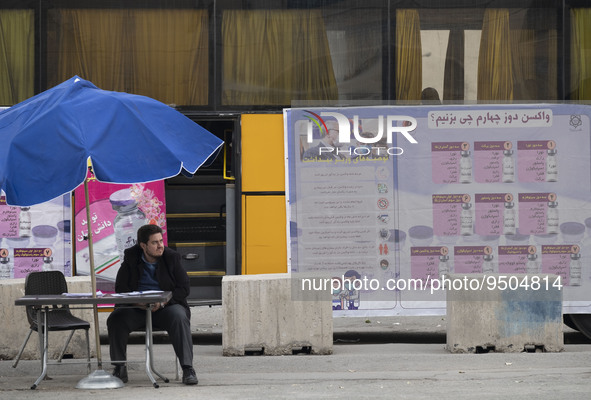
x=17 y=55
x=272 y=57
x=495 y=69
x=580 y=59
x=159 y=53
x=409 y=63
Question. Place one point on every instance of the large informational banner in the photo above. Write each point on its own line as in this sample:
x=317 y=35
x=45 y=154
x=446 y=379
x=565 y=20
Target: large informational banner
x=116 y=213
x=384 y=203
x=35 y=238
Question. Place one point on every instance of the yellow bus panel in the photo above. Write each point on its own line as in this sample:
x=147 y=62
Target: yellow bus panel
x=264 y=244
x=263 y=160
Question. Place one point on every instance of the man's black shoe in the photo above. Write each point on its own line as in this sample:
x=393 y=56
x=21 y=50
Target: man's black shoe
x=189 y=377
x=120 y=372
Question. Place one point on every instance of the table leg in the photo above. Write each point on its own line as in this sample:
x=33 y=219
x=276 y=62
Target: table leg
x=149 y=351
x=43 y=347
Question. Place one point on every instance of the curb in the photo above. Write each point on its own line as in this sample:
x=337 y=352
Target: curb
x=340 y=337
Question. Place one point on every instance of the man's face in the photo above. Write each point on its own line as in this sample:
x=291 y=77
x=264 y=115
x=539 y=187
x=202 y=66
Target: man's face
x=332 y=136
x=154 y=248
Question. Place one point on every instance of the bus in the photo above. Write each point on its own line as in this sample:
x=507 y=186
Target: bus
x=234 y=66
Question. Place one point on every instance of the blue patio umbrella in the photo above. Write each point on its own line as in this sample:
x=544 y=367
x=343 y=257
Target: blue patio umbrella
x=48 y=140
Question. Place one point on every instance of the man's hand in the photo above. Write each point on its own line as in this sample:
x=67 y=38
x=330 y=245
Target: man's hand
x=153 y=307
x=157 y=306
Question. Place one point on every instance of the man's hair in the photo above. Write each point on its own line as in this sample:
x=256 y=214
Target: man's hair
x=144 y=233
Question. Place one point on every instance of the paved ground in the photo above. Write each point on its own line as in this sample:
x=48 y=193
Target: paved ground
x=390 y=357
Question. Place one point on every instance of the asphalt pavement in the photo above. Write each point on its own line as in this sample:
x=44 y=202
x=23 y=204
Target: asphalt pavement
x=376 y=357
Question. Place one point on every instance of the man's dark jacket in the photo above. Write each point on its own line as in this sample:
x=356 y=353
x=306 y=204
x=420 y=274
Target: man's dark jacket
x=170 y=274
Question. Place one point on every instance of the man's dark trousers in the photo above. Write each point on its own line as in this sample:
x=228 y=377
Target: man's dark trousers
x=175 y=319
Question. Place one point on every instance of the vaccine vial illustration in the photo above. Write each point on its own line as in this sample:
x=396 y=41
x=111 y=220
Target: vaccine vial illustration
x=553 y=223
x=575 y=270
x=551 y=166
x=466 y=221
x=25 y=222
x=128 y=220
x=47 y=263
x=509 y=219
x=64 y=242
x=465 y=167
x=508 y=166
x=443 y=268
x=532 y=266
x=5 y=272
x=488 y=265
x=14 y=243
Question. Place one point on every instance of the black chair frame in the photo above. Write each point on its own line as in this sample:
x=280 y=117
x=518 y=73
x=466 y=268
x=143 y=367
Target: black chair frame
x=59 y=318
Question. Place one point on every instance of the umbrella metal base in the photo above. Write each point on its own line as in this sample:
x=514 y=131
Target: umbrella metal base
x=100 y=379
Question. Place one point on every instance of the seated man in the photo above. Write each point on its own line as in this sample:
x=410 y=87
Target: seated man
x=150 y=266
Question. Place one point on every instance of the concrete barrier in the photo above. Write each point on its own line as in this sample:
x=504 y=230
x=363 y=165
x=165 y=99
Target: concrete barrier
x=261 y=317
x=15 y=325
x=513 y=320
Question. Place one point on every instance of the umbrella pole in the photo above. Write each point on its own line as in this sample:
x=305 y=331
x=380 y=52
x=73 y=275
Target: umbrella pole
x=99 y=379
x=93 y=277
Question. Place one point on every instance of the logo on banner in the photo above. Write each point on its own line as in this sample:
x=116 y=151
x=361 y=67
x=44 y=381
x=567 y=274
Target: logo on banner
x=394 y=124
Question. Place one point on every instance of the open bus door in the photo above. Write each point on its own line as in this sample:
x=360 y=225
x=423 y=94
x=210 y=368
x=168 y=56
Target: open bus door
x=201 y=217
x=225 y=222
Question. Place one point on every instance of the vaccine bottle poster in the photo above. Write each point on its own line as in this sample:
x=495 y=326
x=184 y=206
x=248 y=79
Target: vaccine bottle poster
x=116 y=213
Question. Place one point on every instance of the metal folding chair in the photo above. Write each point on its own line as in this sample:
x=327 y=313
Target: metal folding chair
x=58 y=318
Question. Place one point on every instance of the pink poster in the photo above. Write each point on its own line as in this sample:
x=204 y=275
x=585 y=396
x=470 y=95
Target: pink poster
x=469 y=259
x=561 y=260
x=489 y=161
x=116 y=212
x=445 y=161
x=537 y=161
x=518 y=260
x=424 y=263
x=489 y=213
x=35 y=238
x=452 y=215
x=29 y=260
x=534 y=215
